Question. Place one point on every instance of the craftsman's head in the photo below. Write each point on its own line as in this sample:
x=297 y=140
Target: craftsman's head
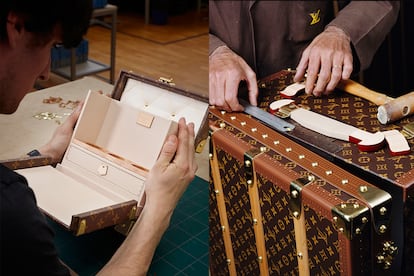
x=28 y=30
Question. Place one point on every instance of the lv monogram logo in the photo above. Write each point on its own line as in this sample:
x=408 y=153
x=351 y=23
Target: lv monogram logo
x=315 y=17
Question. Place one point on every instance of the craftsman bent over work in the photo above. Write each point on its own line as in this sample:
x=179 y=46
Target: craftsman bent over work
x=28 y=30
x=250 y=40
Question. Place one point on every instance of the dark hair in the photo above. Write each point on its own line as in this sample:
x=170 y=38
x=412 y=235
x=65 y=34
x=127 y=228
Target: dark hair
x=41 y=16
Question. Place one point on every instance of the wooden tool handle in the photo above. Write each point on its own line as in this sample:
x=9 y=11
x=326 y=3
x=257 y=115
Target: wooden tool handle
x=396 y=109
x=359 y=90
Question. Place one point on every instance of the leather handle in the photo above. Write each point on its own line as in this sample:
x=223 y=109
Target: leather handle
x=357 y=89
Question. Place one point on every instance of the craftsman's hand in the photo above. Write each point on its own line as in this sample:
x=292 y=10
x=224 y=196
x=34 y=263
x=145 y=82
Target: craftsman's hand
x=327 y=60
x=59 y=142
x=226 y=71
x=173 y=171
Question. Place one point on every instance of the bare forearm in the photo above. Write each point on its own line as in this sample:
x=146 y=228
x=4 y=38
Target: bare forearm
x=135 y=254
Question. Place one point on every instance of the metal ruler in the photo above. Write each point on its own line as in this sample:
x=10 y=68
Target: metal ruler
x=267 y=118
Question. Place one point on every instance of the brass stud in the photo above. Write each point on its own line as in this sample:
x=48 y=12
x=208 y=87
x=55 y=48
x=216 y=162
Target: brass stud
x=210 y=155
x=233 y=118
x=380 y=259
x=260 y=259
x=265 y=136
x=358 y=231
x=382 y=229
x=344 y=181
x=383 y=211
x=300 y=255
x=364 y=220
x=343 y=205
x=263 y=149
x=248 y=163
x=295 y=194
x=335 y=219
x=328 y=172
x=254 y=221
x=243 y=123
x=223 y=112
x=222 y=125
x=276 y=142
x=217 y=192
x=223 y=228
x=254 y=129
x=295 y=214
x=363 y=189
x=301 y=156
x=249 y=182
x=356 y=205
x=288 y=149
x=228 y=261
x=314 y=164
x=341 y=229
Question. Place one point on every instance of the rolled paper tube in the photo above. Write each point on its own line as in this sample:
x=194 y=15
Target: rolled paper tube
x=396 y=109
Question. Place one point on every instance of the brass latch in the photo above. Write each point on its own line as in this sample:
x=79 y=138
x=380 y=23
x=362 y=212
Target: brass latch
x=295 y=203
x=165 y=80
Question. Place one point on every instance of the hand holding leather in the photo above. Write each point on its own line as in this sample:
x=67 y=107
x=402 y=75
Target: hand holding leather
x=173 y=171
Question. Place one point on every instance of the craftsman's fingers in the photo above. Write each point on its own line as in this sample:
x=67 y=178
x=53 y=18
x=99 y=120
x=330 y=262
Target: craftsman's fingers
x=226 y=71
x=301 y=68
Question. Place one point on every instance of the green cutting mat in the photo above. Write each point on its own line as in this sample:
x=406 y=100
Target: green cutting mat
x=183 y=249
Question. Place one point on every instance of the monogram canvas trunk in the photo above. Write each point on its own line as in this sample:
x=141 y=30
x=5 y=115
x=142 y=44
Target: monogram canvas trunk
x=284 y=205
